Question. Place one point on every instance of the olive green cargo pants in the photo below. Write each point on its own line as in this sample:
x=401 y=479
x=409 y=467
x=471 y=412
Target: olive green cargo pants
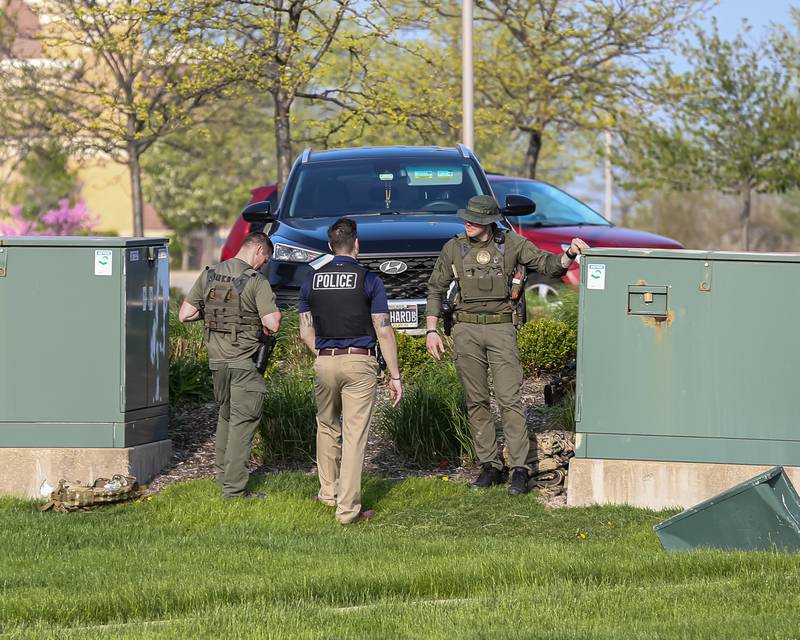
x=476 y=348
x=239 y=389
x=345 y=388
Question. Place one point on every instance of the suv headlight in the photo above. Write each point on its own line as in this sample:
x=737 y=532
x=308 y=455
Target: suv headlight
x=290 y=253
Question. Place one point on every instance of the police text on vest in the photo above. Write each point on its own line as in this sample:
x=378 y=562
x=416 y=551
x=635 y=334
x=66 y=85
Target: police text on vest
x=329 y=280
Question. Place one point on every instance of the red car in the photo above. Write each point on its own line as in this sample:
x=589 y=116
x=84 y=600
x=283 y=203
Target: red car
x=558 y=218
x=241 y=227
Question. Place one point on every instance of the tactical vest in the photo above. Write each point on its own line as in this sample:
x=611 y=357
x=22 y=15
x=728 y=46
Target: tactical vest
x=481 y=270
x=223 y=311
x=339 y=303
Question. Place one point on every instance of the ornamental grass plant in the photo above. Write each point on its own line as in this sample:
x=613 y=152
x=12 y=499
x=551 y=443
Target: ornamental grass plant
x=430 y=424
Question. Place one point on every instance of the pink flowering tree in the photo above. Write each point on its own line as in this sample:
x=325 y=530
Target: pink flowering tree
x=65 y=220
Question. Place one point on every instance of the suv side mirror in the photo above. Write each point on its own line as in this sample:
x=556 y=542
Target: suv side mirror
x=258 y=212
x=517 y=205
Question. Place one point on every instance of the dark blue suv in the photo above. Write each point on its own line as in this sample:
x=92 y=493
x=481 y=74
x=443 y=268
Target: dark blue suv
x=404 y=200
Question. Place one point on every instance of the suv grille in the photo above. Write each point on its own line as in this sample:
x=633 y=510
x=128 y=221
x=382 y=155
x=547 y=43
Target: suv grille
x=412 y=283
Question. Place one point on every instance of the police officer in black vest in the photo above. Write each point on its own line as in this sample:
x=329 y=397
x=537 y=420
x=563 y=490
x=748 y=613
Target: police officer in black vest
x=344 y=313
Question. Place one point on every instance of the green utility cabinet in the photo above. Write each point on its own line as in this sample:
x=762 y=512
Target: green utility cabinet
x=84 y=358
x=689 y=356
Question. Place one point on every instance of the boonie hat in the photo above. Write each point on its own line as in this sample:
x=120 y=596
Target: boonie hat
x=481 y=210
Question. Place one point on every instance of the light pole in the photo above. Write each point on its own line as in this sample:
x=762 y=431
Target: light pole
x=608 y=212
x=467 y=122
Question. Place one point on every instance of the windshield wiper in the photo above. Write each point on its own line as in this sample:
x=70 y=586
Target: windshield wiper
x=390 y=212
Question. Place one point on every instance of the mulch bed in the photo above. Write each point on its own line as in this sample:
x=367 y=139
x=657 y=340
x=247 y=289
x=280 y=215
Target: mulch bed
x=192 y=431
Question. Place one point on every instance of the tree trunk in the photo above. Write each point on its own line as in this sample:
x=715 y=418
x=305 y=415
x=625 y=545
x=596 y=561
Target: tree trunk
x=185 y=256
x=747 y=191
x=532 y=154
x=283 y=137
x=137 y=200
x=209 y=254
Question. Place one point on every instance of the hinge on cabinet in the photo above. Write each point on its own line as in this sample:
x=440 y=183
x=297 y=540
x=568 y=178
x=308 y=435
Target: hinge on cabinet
x=3 y=261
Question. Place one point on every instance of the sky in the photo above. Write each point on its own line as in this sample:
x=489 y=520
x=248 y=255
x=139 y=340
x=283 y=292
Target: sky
x=729 y=14
x=759 y=13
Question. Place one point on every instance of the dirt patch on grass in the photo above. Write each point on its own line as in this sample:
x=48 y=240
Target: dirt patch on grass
x=192 y=430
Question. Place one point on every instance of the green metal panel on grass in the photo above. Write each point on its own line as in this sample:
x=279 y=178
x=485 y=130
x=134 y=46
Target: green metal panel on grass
x=760 y=514
x=688 y=356
x=79 y=354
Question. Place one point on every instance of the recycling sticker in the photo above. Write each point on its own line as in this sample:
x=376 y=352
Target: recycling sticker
x=596 y=276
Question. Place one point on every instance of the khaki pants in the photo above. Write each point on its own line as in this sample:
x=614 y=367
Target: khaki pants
x=476 y=348
x=239 y=389
x=345 y=389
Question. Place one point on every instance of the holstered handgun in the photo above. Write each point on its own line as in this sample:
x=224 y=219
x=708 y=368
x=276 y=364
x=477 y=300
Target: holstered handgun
x=517 y=291
x=449 y=304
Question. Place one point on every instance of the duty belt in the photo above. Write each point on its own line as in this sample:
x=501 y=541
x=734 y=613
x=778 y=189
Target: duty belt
x=483 y=318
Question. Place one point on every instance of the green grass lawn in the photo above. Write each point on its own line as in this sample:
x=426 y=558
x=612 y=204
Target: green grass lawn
x=439 y=561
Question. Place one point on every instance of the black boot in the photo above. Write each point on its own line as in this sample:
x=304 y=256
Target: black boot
x=519 y=482
x=489 y=477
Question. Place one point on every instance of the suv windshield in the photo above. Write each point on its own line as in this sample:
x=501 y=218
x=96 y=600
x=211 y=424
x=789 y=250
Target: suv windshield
x=554 y=208
x=374 y=186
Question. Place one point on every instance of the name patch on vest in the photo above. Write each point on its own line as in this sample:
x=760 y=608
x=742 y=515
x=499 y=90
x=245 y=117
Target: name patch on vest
x=330 y=281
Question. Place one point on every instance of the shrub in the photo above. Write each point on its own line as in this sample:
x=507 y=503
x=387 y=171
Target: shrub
x=64 y=220
x=290 y=352
x=288 y=427
x=563 y=413
x=189 y=377
x=430 y=424
x=412 y=355
x=546 y=345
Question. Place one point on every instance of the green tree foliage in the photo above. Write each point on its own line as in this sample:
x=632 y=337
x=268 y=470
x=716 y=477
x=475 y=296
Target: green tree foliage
x=43 y=180
x=292 y=51
x=728 y=124
x=200 y=178
x=553 y=67
x=117 y=77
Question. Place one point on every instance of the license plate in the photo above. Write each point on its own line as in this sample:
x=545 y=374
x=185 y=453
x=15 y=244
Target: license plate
x=403 y=315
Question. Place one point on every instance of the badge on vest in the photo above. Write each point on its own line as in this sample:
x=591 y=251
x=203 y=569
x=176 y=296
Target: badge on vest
x=333 y=281
x=483 y=257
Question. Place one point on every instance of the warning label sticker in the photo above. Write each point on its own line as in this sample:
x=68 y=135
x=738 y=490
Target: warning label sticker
x=103 y=262
x=596 y=276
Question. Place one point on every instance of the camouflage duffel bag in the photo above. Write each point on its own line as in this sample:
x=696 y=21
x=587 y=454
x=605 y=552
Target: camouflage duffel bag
x=74 y=496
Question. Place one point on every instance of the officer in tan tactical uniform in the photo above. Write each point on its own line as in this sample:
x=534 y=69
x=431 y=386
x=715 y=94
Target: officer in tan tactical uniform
x=482 y=261
x=237 y=306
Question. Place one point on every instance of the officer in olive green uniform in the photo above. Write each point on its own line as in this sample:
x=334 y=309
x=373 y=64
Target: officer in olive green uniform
x=482 y=261
x=237 y=305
